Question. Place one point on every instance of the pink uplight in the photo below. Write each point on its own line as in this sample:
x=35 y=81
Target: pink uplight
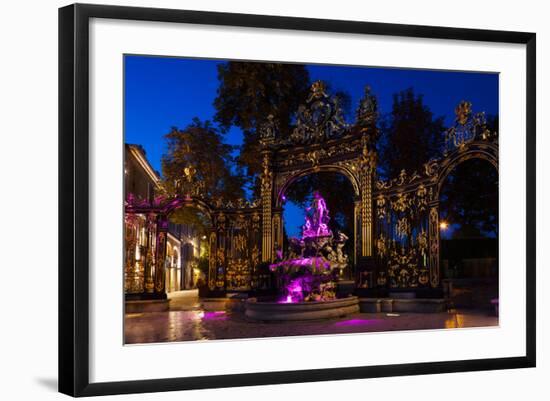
x=356 y=322
x=217 y=315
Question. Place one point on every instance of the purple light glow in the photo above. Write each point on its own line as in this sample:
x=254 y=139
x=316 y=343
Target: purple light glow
x=217 y=315
x=356 y=322
x=287 y=300
x=307 y=272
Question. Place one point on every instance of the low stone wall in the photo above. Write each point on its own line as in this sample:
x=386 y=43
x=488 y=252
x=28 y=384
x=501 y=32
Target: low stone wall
x=274 y=311
x=417 y=305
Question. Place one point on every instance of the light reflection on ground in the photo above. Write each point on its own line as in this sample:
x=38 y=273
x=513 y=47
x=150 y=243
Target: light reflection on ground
x=197 y=324
x=357 y=322
x=187 y=320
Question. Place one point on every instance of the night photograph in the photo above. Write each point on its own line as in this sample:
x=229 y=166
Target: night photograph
x=266 y=199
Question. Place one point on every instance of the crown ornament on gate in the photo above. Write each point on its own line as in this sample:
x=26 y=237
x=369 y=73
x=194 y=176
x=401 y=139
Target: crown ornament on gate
x=269 y=130
x=320 y=119
x=468 y=127
x=189 y=183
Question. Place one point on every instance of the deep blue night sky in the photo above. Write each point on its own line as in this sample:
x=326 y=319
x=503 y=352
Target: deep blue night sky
x=162 y=92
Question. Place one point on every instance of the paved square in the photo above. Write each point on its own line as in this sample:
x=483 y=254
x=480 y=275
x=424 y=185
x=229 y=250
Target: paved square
x=188 y=321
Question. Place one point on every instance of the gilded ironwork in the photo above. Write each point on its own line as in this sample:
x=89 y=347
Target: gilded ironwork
x=269 y=129
x=322 y=141
x=266 y=194
x=468 y=128
x=150 y=259
x=381 y=248
x=212 y=260
x=434 y=246
x=133 y=264
x=320 y=119
x=407 y=205
x=367 y=112
x=160 y=261
x=314 y=155
x=396 y=221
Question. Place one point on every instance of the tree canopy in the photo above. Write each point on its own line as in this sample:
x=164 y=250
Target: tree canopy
x=411 y=135
x=248 y=93
x=469 y=199
x=197 y=155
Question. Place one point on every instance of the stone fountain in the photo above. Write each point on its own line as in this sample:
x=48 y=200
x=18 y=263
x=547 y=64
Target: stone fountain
x=308 y=273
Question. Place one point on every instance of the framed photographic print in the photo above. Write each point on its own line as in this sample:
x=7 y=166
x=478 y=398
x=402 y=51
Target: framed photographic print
x=278 y=199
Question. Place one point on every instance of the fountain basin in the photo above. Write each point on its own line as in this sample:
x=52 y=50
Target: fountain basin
x=276 y=311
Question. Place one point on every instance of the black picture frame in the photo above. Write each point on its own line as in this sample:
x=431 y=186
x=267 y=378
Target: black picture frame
x=74 y=198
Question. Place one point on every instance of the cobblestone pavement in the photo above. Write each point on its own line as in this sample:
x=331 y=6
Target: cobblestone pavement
x=186 y=321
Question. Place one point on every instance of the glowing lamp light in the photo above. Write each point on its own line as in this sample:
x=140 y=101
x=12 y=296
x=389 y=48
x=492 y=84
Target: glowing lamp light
x=443 y=225
x=203 y=237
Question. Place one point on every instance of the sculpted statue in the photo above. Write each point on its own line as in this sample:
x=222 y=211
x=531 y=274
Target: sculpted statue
x=314 y=261
x=320 y=215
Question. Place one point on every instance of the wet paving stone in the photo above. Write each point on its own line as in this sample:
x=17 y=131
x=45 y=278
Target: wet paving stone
x=197 y=324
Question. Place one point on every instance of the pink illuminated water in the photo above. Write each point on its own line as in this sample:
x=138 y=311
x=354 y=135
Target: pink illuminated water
x=303 y=276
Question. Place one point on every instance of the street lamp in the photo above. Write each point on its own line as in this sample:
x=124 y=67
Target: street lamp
x=443 y=225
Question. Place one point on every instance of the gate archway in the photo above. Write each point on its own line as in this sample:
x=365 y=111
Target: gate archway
x=352 y=178
x=321 y=142
x=233 y=241
x=468 y=208
x=396 y=222
x=407 y=207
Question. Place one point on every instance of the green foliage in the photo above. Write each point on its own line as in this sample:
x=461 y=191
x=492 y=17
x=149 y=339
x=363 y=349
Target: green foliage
x=469 y=198
x=410 y=135
x=248 y=93
x=344 y=101
x=201 y=147
x=202 y=265
x=192 y=217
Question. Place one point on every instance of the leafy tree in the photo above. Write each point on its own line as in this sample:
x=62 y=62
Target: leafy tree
x=197 y=154
x=469 y=199
x=248 y=93
x=192 y=217
x=344 y=101
x=492 y=123
x=410 y=135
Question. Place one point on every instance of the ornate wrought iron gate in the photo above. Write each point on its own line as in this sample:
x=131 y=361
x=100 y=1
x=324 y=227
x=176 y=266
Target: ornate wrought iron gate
x=407 y=241
x=321 y=141
x=234 y=243
x=396 y=222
